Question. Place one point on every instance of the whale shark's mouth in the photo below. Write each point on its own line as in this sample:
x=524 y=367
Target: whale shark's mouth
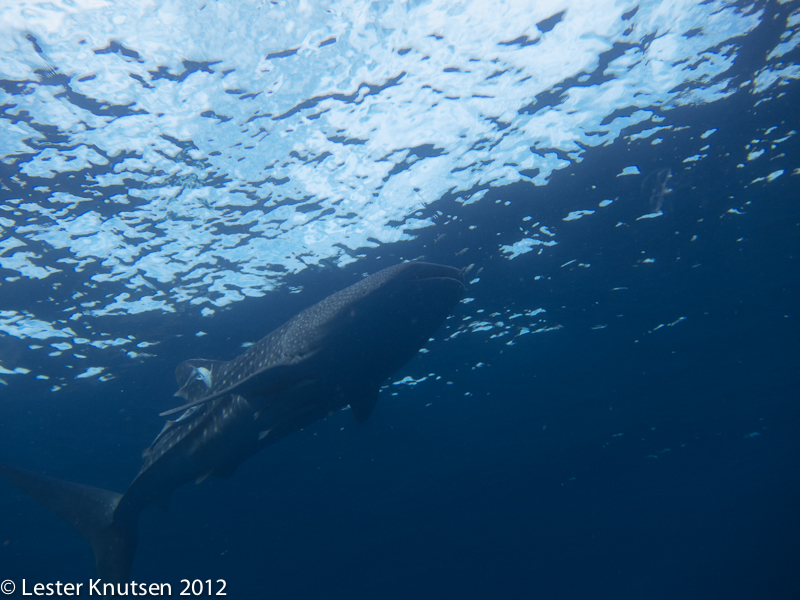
x=426 y=271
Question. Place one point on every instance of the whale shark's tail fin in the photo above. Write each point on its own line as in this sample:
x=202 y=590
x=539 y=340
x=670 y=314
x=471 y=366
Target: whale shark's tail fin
x=91 y=511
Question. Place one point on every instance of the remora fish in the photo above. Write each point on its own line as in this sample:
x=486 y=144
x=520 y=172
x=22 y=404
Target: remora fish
x=332 y=354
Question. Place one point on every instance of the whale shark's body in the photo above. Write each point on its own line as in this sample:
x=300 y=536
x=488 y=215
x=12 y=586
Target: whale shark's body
x=331 y=355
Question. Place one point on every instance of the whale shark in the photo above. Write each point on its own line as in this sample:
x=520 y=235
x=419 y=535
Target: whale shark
x=332 y=355
x=351 y=340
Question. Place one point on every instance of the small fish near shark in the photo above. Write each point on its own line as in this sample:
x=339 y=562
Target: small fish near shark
x=331 y=355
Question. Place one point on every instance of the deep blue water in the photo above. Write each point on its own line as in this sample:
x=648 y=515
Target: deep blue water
x=625 y=461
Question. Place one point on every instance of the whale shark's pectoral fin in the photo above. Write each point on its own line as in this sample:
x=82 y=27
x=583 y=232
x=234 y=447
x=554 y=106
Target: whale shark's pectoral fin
x=183 y=407
x=363 y=403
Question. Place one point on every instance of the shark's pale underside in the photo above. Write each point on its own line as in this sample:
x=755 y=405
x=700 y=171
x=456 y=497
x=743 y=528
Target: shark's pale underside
x=331 y=355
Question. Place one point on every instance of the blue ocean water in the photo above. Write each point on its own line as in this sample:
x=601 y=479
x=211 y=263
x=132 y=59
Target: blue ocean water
x=609 y=412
